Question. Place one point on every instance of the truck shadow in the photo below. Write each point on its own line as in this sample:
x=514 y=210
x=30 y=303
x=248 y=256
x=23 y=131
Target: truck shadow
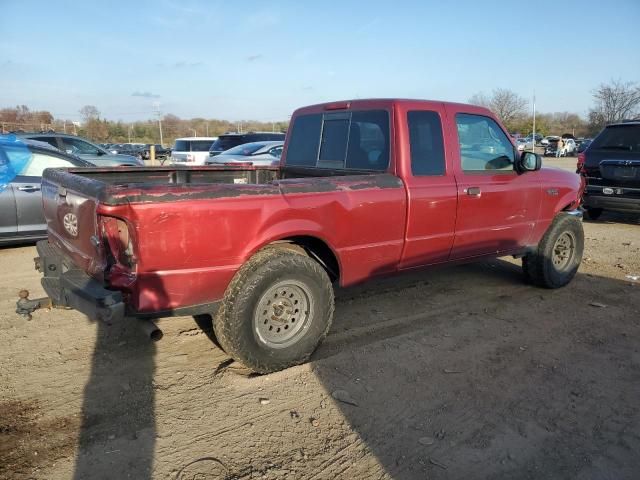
x=470 y=373
x=118 y=427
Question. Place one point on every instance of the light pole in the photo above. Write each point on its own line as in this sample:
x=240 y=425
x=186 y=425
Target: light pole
x=534 y=122
x=156 y=106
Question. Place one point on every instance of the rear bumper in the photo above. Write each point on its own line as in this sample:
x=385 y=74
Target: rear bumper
x=69 y=287
x=595 y=198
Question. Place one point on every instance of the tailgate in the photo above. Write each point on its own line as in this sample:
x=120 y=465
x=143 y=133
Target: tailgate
x=70 y=204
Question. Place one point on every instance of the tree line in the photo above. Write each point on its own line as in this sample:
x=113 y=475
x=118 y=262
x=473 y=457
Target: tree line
x=98 y=129
x=612 y=102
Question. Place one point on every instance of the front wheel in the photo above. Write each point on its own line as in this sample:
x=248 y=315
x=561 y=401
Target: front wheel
x=276 y=311
x=555 y=261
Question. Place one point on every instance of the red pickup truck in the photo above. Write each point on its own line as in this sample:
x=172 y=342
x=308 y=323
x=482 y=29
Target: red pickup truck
x=365 y=188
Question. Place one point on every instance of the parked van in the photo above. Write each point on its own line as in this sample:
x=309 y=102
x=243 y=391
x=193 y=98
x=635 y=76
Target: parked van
x=191 y=150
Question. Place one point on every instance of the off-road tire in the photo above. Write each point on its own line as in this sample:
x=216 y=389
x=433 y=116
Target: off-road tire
x=234 y=323
x=539 y=267
x=592 y=213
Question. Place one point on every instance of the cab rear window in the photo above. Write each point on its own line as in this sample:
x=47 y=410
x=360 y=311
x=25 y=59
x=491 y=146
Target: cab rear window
x=356 y=140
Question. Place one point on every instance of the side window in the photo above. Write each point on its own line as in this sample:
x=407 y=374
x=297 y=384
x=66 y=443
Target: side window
x=483 y=144
x=426 y=141
x=40 y=161
x=78 y=147
x=305 y=141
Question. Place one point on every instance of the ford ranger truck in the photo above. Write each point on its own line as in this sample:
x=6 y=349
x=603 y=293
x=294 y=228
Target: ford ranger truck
x=365 y=188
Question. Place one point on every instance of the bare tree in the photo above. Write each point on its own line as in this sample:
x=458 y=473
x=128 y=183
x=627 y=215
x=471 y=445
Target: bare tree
x=506 y=104
x=89 y=112
x=481 y=99
x=614 y=102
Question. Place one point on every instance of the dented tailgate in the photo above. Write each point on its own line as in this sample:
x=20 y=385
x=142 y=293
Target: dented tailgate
x=70 y=213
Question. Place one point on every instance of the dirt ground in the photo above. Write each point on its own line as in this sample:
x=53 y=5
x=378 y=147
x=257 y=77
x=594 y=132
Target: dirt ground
x=452 y=373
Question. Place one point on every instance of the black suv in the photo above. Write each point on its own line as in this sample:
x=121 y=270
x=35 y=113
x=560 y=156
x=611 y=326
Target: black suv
x=611 y=165
x=230 y=140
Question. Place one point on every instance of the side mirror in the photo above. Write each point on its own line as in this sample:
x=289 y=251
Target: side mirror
x=529 y=162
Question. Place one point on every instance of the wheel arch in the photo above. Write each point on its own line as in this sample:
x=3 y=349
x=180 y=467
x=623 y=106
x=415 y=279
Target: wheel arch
x=314 y=246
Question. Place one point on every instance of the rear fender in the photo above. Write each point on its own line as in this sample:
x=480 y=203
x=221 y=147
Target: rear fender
x=288 y=229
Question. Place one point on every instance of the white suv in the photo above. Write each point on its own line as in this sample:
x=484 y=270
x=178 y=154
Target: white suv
x=569 y=146
x=191 y=150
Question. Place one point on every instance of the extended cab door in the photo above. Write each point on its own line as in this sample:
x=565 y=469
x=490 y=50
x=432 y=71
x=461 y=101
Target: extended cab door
x=431 y=187
x=497 y=207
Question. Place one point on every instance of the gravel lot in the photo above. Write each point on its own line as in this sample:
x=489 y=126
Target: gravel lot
x=463 y=372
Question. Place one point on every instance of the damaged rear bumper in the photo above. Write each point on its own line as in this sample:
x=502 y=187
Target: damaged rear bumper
x=70 y=287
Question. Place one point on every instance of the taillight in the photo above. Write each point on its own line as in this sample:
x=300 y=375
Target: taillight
x=117 y=240
x=580 y=165
x=337 y=106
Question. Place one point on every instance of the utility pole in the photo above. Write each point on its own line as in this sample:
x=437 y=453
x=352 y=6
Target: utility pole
x=129 y=133
x=156 y=106
x=534 y=121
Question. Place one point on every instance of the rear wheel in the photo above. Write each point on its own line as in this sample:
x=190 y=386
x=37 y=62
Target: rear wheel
x=558 y=255
x=276 y=311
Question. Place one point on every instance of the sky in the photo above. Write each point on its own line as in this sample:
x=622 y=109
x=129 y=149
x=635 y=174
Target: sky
x=260 y=60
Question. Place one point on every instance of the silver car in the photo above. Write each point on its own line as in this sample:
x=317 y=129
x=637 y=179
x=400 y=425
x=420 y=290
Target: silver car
x=256 y=153
x=84 y=149
x=21 y=167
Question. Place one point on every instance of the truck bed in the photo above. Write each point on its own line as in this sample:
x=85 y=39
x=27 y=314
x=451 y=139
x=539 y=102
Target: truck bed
x=156 y=184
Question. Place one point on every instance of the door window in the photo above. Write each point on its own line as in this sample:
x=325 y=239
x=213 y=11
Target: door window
x=426 y=141
x=484 y=147
x=79 y=147
x=40 y=161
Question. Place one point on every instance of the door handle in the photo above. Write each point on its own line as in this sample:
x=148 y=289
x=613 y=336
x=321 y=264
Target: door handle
x=29 y=188
x=473 y=191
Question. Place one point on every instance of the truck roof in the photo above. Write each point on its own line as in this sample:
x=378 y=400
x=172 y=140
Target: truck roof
x=369 y=103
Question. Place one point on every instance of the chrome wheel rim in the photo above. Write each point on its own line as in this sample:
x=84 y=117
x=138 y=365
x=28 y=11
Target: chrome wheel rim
x=283 y=314
x=563 y=251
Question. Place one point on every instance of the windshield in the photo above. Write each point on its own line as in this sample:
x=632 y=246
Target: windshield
x=618 y=137
x=192 y=145
x=245 y=149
